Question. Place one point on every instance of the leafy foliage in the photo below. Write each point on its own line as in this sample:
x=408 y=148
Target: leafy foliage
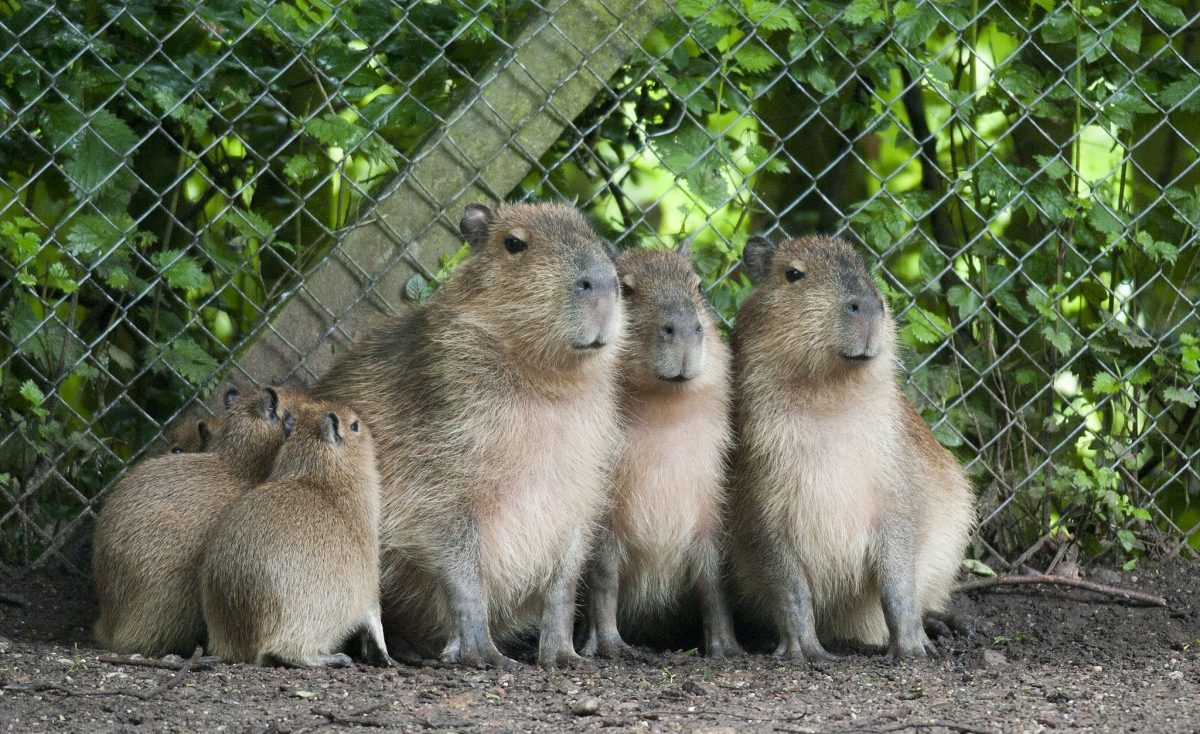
x=170 y=168
x=1034 y=218
x=1023 y=173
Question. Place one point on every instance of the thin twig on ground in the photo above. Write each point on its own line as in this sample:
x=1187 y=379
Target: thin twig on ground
x=12 y=600
x=204 y=663
x=356 y=718
x=1033 y=577
x=950 y=725
x=131 y=692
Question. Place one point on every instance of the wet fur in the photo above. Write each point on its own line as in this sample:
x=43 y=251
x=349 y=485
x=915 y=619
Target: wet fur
x=835 y=468
x=151 y=532
x=493 y=436
x=292 y=570
x=665 y=525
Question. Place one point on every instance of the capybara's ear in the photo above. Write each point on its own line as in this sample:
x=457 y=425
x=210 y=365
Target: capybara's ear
x=268 y=405
x=756 y=258
x=331 y=428
x=230 y=395
x=685 y=249
x=289 y=423
x=204 y=433
x=476 y=223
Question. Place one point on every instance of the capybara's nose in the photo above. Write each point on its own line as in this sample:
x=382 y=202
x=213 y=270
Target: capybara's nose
x=682 y=329
x=596 y=279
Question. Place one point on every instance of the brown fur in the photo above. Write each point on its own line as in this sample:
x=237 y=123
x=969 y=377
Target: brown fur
x=845 y=507
x=494 y=427
x=194 y=432
x=663 y=534
x=150 y=535
x=292 y=567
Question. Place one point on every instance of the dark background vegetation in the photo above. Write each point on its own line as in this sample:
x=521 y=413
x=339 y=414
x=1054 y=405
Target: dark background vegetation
x=1024 y=174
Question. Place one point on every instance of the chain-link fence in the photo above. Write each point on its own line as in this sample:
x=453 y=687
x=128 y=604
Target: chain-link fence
x=222 y=190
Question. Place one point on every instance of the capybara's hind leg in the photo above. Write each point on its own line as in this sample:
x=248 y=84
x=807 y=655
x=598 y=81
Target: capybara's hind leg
x=603 y=637
x=374 y=648
x=719 y=639
x=337 y=660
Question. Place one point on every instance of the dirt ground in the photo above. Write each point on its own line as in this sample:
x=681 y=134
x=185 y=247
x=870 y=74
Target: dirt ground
x=1042 y=659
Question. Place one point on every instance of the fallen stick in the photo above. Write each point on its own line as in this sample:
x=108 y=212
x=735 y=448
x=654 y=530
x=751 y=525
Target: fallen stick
x=1017 y=579
x=355 y=718
x=131 y=692
x=15 y=601
x=961 y=728
x=204 y=663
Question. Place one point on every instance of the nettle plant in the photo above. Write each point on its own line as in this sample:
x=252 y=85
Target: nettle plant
x=170 y=169
x=1027 y=180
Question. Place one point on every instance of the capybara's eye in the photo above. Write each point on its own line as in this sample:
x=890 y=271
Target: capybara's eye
x=793 y=275
x=626 y=290
x=176 y=450
x=354 y=426
x=514 y=244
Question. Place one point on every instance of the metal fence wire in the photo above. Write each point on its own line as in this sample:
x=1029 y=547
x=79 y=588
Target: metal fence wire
x=196 y=192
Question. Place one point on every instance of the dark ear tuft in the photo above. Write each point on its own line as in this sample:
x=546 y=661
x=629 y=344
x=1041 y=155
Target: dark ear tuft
x=756 y=258
x=289 y=423
x=205 y=435
x=230 y=395
x=268 y=405
x=330 y=428
x=476 y=223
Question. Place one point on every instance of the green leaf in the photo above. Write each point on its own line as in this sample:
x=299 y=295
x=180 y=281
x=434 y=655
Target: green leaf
x=415 y=288
x=963 y=298
x=979 y=568
x=860 y=11
x=94 y=233
x=335 y=132
x=180 y=271
x=694 y=8
x=769 y=15
x=1105 y=384
x=188 y=359
x=1184 y=396
x=753 y=58
x=914 y=29
x=300 y=168
x=692 y=155
x=1060 y=26
x=1053 y=167
x=1058 y=337
x=32 y=393
x=1127 y=33
x=1126 y=538
x=1157 y=250
x=1164 y=11
x=99 y=153
x=925 y=326
x=22 y=232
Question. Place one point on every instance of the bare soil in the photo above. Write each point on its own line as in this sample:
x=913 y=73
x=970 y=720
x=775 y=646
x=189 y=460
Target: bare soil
x=1041 y=659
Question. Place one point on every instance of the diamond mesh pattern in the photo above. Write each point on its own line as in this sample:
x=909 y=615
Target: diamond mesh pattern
x=188 y=186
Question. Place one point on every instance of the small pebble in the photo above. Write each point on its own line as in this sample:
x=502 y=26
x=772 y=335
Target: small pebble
x=586 y=707
x=1175 y=675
